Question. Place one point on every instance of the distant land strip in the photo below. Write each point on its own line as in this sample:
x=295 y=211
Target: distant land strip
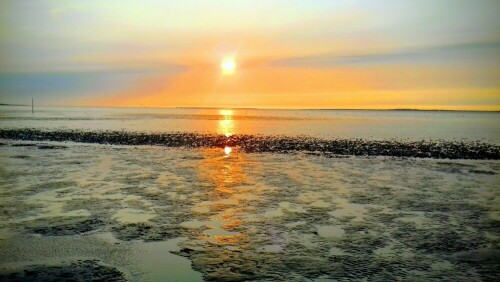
x=3 y=104
x=272 y=144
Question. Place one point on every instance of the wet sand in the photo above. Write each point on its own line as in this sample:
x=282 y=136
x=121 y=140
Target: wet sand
x=153 y=213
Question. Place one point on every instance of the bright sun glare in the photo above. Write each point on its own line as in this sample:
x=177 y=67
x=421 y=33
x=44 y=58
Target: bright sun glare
x=228 y=65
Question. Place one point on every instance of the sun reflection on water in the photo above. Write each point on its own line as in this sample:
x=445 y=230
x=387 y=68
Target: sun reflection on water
x=226 y=124
x=227 y=174
x=224 y=169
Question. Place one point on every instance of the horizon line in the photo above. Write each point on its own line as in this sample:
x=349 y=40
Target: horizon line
x=257 y=108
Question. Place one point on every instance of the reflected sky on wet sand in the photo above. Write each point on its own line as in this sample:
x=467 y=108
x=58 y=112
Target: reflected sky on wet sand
x=242 y=216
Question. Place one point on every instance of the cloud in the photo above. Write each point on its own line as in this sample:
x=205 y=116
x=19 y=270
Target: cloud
x=469 y=53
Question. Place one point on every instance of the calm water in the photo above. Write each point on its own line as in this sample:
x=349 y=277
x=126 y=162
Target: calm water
x=413 y=125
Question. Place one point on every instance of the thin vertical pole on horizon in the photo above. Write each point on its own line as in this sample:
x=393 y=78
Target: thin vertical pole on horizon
x=32 y=106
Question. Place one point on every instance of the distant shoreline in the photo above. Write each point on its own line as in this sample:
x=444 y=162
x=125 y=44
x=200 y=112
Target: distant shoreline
x=16 y=105
x=333 y=109
x=263 y=109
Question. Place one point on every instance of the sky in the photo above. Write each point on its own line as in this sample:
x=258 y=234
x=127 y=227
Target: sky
x=387 y=54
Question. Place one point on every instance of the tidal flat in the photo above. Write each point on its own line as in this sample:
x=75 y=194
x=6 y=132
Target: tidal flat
x=75 y=211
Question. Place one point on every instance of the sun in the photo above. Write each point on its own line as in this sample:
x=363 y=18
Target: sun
x=228 y=65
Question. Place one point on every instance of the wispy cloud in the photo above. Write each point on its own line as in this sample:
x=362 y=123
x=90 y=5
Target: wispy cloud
x=471 y=53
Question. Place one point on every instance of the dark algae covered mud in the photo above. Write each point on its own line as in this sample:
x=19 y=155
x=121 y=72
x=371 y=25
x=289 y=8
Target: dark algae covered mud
x=275 y=144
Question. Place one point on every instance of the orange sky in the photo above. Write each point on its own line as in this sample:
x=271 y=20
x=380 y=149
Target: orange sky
x=270 y=87
x=419 y=54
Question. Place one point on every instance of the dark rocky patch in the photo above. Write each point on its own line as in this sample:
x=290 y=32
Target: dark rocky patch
x=272 y=144
x=82 y=270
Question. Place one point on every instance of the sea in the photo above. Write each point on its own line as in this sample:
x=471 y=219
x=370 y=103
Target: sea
x=345 y=124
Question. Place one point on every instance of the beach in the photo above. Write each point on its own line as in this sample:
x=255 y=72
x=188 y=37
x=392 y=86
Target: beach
x=72 y=210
